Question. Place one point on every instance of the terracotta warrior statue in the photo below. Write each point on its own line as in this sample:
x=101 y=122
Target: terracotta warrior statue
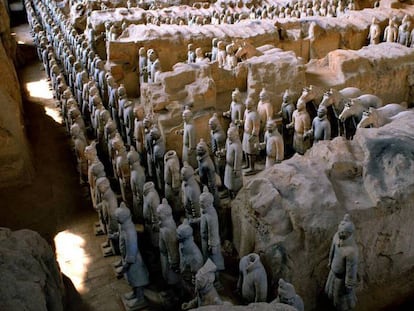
x=189 y=139
x=107 y=207
x=206 y=293
x=133 y=266
x=236 y=111
x=301 y=124
x=321 y=127
x=286 y=112
x=273 y=143
x=233 y=179
x=172 y=181
x=206 y=171
x=168 y=245
x=209 y=230
x=151 y=202
x=287 y=295
x=252 y=283
x=374 y=35
x=250 y=135
x=158 y=151
x=137 y=181
x=218 y=145
x=191 y=259
x=264 y=109
x=190 y=192
x=343 y=264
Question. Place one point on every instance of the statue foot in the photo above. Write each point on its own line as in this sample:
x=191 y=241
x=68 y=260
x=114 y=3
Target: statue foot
x=130 y=295
x=245 y=166
x=117 y=263
x=136 y=304
x=249 y=172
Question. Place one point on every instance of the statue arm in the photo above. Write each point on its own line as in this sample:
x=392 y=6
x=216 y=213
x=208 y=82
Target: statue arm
x=327 y=132
x=351 y=269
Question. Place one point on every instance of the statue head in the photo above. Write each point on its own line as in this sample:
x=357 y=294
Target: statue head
x=164 y=210
x=214 y=42
x=201 y=148
x=142 y=52
x=133 y=156
x=170 y=154
x=286 y=96
x=236 y=95
x=249 y=103
x=271 y=126
x=184 y=231
x=322 y=111
x=155 y=133
x=121 y=91
x=148 y=186
x=286 y=291
x=187 y=115
x=139 y=112
x=199 y=53
x=233 y=133
x=206 y=198
x=122 y=214
x=301 y=105
x=187 y=171
x=102 y=183
x=214 y=122
x=263 y=95
x=345 y=228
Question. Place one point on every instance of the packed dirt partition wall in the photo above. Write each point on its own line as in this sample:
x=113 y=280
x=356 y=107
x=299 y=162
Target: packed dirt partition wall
x=15 y=160
x=385 y=70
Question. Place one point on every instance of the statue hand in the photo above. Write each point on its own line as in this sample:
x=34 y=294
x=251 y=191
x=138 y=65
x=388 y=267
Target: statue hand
x=348 y=289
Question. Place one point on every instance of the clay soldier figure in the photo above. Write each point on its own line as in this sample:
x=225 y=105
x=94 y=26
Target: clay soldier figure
x=191 y=259
x=137 y=182
x=191 y=55
x=206 y=170
x=250 y=135
x=122 y=100
x=321 y=127
x=122 y=168
x=75 y=117
x=79 y=142
x=191 y=192
x=107 y=208
x=214 y=49
x=168 y=244
x=206 y=293
x=221 y=54
x=189 y=139
x=287 y=295
x=113 y=98
x=391 y=32
x=129 y=119
x=404 y=34
x=142 y=63
x=286 y=111
x=264 y=109
x=236 y=111
x=273 y=142
x=133 y=266
x=252 y=283
x=343 y=264
x=172 y=180
x=158 y=151
x=139 y=130
x=209 y=230
x=151 y=202
x=231 y=59
x=301 y=124
x=95 y=169
x=374 y=35
x=218 y=145
x=233 y=179
x=148 y=145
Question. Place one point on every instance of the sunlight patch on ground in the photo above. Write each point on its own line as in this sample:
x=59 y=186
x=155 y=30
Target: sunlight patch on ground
x=41 y=89
x=72 y=258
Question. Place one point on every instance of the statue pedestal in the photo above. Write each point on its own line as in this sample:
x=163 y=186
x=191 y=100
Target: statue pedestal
x=129 y=307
